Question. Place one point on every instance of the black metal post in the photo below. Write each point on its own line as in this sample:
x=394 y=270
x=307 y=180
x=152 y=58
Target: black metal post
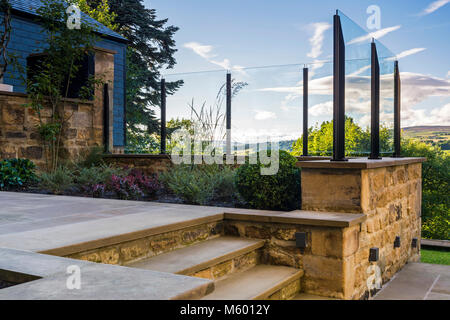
x=338 y=92
x=375 y=105
x=305 y=112
x=397 y=109
x=228 y=151
x=106 y=118
x=163 y=116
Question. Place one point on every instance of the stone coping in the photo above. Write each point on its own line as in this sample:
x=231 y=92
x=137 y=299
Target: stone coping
x=311 y=218
x=358 y=163
x=168 y=156
x=24 y=95
x=98 y=281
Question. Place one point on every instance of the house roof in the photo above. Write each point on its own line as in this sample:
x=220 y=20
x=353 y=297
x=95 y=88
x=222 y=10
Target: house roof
x=29 y=7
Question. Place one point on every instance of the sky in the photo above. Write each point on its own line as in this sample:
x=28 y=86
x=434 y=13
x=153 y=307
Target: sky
x=240 y=35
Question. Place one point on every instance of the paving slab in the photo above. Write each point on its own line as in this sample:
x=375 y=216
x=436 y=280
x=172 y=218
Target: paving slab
x=418 y=281
x=98 y=281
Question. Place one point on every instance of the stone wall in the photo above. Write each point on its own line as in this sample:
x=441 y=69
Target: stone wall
x=389 y=194
x=148 y=163
x=19 y=137
x=324 y=260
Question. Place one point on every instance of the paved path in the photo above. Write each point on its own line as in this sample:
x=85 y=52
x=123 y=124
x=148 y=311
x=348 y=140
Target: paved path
x=418 y=281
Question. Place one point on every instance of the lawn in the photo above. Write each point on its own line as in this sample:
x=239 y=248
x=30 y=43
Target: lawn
x=435 y=256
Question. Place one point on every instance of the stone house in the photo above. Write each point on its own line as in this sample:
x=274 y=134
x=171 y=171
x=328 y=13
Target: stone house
x=86 y=127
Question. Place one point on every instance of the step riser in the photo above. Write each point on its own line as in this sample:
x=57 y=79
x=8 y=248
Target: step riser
x=286 y=293
x=226 y=268
x=131 y=251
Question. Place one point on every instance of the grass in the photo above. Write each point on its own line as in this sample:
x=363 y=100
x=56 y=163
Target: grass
x=435 y=257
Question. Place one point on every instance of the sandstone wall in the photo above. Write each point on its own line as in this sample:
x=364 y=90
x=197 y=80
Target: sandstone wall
x=19 y=137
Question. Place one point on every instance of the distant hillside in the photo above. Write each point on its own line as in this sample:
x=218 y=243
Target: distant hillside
x=435 y=135
x=426 y=129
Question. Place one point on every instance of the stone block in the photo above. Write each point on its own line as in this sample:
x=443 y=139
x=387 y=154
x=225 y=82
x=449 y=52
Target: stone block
x=327 y=242
x=323 y=268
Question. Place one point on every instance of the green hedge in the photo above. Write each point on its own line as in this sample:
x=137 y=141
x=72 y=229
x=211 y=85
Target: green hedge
x=16 y=173
x=270 y=192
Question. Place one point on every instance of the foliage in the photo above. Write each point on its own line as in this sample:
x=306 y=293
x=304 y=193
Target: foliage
x=100 y=12
x=357 y=140
x=151 y=49
x=88 y=177
x=16 y=173
x=435 y=257
x=201 y=184
x=272 y=192
x=57 y=181
x=92 y=157
x=142 y=143
x=5 y=35
x=61 y=59
x=435 y=188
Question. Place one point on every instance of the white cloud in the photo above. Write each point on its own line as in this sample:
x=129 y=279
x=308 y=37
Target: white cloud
x=224 y=64
x=321 y=109
x=264 y=115
x=434 y=6
x=316 y=40
x=407 y=53
x=376 y=35
x=203 y=51
x=206 y=52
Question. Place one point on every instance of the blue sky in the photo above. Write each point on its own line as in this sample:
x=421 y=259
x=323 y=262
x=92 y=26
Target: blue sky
x=219 y=35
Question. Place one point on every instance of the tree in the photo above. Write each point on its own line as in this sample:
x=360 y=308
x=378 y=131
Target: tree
x=5 y=34
x=357 y=140
x=151 y=49
x=101 y=12
x=49 y=81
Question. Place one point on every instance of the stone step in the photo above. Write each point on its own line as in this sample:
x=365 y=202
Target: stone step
x=260 y=282
x=307 y=296
x=211 y=259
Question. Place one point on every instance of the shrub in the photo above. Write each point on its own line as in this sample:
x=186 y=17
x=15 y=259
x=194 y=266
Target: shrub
x=133 y=185
x=200 y=184
x=16 y=173
x=92 y=157
x=273 y=192
x=87 y=178
x=58 y=181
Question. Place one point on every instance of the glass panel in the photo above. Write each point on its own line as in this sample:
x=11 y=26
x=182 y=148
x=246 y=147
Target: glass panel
x=320 y=96
x=267 y=106
x=198 y=105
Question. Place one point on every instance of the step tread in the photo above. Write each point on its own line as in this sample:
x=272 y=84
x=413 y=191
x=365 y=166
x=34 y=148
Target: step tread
x=258 y=282
x=199 y=256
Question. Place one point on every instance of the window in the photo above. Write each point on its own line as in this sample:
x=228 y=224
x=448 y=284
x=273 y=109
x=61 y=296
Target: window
x=86 y=70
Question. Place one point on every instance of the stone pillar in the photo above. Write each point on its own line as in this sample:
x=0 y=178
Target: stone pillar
x=388 y=192
x=104 y=69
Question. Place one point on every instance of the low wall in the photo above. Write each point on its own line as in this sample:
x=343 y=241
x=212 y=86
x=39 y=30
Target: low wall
x=19 y=137
x=157 y=163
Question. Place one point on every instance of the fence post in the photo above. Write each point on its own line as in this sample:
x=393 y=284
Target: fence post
x=106 y=129
x=397 y=109
x=163 y=116
x=228 y=115
x=305 y=112
x=338 y=91
x=375 y=105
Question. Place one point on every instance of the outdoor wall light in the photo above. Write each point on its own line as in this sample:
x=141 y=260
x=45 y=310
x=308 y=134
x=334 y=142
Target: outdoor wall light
x=300 y=240
x=397 y=242
x=374 y=254
x=414 y=243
